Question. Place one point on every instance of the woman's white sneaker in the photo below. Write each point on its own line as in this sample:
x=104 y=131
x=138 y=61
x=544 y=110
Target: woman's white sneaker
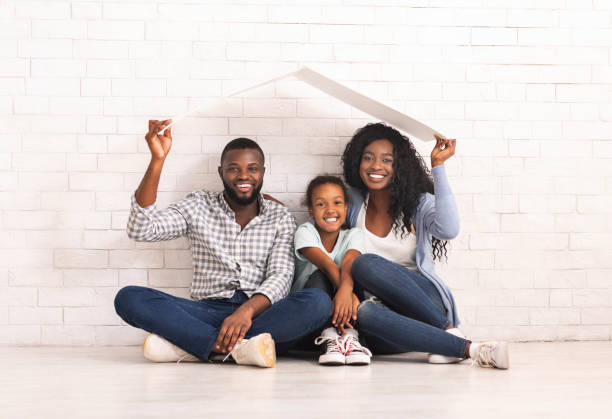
x=157 y=349
x=332 y=347
x=443 y=359
x=490 y=354
x=354 y=352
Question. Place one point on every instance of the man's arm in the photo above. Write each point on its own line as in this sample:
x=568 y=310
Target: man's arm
x=145 y=223
x=236 y=326
x=159 y=145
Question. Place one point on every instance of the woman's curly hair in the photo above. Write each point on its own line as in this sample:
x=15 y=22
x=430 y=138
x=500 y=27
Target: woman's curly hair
x=410 y=178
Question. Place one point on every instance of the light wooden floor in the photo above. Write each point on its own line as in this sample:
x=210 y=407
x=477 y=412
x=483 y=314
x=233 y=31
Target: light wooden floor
x=545 y=380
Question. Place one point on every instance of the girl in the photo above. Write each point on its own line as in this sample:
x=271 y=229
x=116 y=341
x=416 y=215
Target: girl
x=406 y=217
x=325 y=254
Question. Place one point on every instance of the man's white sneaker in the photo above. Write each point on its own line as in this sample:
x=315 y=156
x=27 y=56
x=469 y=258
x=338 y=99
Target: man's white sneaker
x=258 y=350
x=332 y=352
x=354 y=352
x=158 y=349
x=491 y=354
x=443 y=359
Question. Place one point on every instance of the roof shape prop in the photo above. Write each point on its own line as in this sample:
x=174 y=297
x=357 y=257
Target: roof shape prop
x=349 y=96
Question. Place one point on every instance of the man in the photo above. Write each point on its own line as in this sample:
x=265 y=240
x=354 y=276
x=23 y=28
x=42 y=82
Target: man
x=242 y=248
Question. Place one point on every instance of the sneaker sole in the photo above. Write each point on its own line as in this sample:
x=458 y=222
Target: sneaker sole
x=331 y=360
x=264 y=348
x=505 y=356
x=441 y=359
x=148 y=354
x=267 y=349
x=145 y=350
x=357 y=360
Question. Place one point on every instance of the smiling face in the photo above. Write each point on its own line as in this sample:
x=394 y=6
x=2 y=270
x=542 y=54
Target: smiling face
x=376 y=168
x=328 y=208
x=242 y=172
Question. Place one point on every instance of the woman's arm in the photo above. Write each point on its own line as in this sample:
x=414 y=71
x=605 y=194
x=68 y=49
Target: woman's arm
x=441 y=217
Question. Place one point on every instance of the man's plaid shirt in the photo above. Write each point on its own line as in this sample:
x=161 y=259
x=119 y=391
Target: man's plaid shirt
x=258 y=259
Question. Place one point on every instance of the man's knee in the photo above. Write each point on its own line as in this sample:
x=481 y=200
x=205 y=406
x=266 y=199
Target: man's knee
x=126 y=297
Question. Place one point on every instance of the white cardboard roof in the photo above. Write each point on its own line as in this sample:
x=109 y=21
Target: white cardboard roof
x=351 y=97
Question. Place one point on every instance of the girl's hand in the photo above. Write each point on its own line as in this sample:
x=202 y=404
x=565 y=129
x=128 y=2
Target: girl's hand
x=343 y=308
x=443 y=150
x=356 y=303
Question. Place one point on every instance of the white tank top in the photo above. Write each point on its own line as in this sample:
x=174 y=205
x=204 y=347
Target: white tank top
x=401 y=250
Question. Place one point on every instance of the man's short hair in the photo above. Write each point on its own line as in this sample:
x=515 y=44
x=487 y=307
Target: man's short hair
x=242 y=144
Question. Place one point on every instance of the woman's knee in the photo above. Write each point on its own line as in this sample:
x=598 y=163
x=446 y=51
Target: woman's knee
x=363 y=265
x=367 y=313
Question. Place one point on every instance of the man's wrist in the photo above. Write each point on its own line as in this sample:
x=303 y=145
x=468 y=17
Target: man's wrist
x=157 y=162
x=247 y=310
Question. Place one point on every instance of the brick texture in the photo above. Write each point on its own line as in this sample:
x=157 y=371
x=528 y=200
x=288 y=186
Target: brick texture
x=525 y=88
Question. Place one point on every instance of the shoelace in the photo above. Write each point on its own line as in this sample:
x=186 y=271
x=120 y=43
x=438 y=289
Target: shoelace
x=181 y=358
x=333 y=344
x=484 y=358
x=352 y=344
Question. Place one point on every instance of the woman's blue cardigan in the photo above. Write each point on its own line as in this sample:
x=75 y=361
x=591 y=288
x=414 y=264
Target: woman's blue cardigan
x=436 y=215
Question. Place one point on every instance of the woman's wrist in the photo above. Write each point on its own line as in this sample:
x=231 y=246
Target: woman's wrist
x=436 y=162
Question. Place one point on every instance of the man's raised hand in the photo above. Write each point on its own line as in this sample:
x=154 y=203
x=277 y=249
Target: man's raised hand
x=159 y=145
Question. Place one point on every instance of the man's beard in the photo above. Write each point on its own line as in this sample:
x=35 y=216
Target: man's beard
x=231 y=194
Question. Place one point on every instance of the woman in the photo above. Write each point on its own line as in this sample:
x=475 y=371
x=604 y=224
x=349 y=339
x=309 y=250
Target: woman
x=407 y=217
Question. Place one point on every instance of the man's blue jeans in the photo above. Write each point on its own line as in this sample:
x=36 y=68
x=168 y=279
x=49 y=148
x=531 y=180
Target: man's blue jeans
x=194 y=325
x=409 y=315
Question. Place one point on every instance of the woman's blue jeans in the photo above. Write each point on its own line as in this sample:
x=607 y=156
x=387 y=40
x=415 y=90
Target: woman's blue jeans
x=194 y=325
x=409 y=314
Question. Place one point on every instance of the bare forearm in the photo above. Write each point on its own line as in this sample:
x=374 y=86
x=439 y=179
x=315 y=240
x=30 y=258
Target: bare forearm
x=255 y=305
x=346 y=280
x=146 y=194
x=324 y=263
x=332 y=272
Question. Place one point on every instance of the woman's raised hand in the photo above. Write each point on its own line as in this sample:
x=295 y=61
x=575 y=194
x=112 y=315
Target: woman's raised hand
x=159 y=144
x=442 y=151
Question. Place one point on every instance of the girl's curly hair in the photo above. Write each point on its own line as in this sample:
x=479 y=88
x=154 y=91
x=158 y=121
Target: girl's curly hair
x=410 y=178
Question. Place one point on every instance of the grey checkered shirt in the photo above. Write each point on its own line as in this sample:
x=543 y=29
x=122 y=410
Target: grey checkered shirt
x=258 y=259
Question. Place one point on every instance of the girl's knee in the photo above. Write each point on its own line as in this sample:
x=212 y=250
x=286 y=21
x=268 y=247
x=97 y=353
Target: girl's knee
x=318 y=301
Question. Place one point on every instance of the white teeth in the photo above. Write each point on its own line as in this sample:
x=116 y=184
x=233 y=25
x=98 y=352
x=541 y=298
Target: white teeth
x=331 y=220
x=246 y=185
x=376 y=176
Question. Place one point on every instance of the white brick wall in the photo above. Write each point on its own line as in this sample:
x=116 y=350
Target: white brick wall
x=525 y=86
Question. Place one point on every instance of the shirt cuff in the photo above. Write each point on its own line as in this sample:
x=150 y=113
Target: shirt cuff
x=147 y=210
x=269 y=295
